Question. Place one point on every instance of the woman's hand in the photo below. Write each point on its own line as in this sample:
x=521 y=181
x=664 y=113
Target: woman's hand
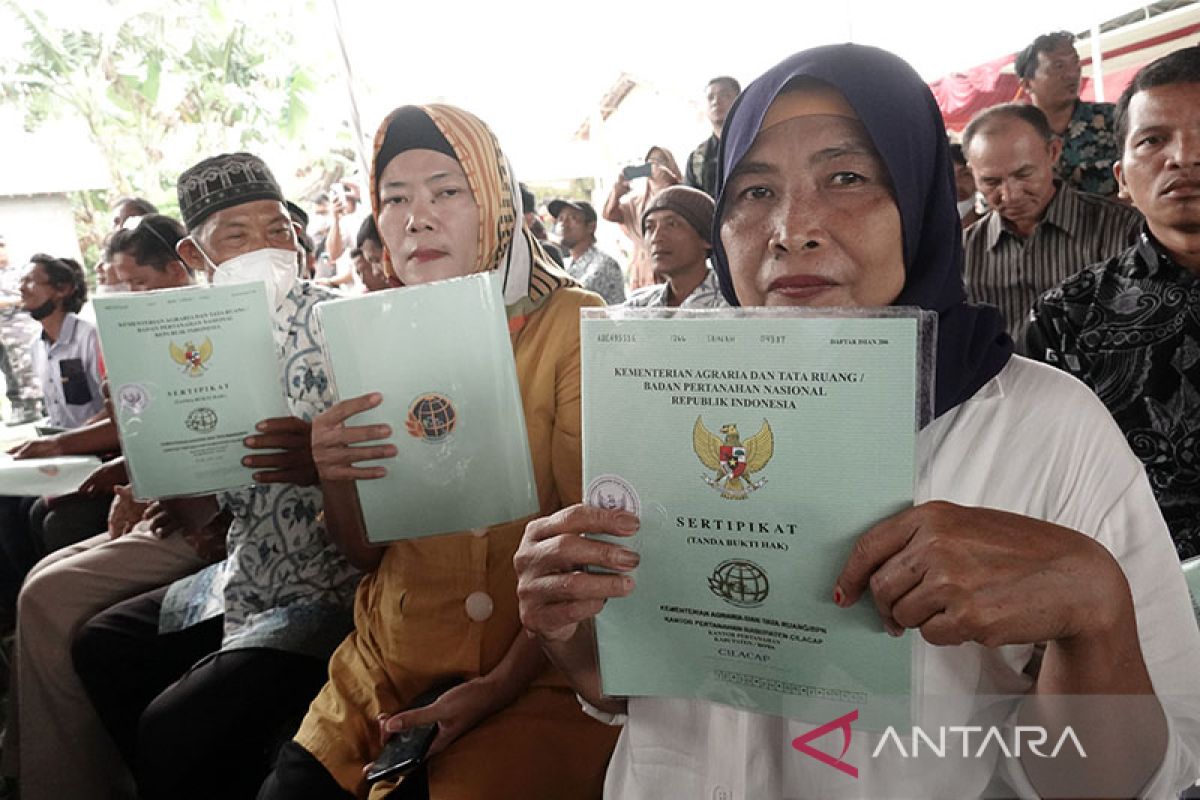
x=334 y=442
x=554 y=591
x=455 y=712
x=978 y=575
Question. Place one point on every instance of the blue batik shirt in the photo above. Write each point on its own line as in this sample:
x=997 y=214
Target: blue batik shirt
x=284 y=584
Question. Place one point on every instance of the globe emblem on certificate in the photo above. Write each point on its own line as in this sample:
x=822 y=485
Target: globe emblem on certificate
x=740 y=583
x=614 y=493
x=201 y=420
x=431 y=417
x=735 y=462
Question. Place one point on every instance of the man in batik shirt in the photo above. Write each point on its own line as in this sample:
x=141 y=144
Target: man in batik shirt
x=1129 y=327
x=1050 y=74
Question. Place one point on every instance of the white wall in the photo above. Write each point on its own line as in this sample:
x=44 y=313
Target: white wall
x=40 y=223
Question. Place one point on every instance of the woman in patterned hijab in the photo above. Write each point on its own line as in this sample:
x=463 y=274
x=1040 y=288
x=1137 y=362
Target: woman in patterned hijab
x=445 y=607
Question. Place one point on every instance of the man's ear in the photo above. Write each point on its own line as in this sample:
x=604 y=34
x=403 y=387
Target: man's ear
x=1122 y=187
x=190 y=253
x=1056 y=148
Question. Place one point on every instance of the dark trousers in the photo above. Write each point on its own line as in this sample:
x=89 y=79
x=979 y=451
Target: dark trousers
x=298 y=775
x=191 y=721
x=19 y=550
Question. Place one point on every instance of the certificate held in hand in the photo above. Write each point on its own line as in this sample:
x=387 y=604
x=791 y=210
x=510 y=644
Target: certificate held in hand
x=441 y=356
x=191 y=372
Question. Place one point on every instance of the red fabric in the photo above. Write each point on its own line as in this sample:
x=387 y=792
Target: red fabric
x=961 y=95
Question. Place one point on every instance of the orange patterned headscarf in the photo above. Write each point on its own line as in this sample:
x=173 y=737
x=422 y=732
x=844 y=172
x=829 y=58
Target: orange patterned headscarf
x=530 y=276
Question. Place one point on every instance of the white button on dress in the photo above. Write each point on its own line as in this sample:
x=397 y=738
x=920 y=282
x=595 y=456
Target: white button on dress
x=479 y=606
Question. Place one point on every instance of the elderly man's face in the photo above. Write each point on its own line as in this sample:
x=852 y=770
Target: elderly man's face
x=1160 y=167
x=809 y=218
x=1014 y=171
x=240 y=229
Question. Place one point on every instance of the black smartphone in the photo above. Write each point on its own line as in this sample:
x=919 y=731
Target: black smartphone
x=404 y=751
x=638 y=171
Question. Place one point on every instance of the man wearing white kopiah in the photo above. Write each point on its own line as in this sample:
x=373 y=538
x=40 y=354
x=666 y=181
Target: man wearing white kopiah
x=260 y=626
x=1035 y=574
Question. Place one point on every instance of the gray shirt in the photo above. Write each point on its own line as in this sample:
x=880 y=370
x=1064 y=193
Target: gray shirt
x=598 y=272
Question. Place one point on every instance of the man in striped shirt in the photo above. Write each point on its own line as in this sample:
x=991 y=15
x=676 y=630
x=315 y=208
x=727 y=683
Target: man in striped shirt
x=1039 y=231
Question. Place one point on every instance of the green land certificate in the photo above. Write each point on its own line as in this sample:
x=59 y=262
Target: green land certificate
x=191 y=372
x=755 y=449
x=441 y=356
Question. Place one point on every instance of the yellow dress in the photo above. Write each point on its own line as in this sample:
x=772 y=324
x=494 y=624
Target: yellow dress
x=412 y=625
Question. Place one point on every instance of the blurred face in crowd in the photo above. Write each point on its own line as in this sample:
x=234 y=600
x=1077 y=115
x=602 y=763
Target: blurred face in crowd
x=1056 y=81
x=574 y=228
x=719 y=98
x=37 y=292
x=1159 y=170
x=371 y=276
x=373 y=252
x=144 y=277
x=964 y=182
x=809 y=218
x=428 y=218
x=1014 y=171
x=3 y=255
x=237 y=230
x=674 y=245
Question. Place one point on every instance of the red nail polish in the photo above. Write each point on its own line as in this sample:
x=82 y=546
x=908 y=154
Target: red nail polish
x=838 y=597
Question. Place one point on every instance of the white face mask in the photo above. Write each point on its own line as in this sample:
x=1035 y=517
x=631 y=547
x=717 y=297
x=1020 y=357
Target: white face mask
x=272 y=266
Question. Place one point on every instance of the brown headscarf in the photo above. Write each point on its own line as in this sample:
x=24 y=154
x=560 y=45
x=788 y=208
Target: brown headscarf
x=530 y=276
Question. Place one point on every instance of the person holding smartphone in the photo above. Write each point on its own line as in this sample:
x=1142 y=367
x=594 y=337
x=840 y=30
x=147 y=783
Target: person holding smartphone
x=625 y=206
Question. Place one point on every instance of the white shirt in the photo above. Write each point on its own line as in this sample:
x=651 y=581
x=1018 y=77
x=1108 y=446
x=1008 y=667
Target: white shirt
x=69 y=373
x=1033 y=441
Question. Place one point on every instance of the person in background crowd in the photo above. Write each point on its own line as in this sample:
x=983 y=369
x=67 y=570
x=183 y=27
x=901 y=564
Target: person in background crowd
x=529 y=209
x=1128 y=326
x=1051 y=74
x=445 y=606
x=126 y=207
x=66 y=356
x=17 y=332
x=964 y=187
x=677 y=224
x=719 y=95
x=368 y=257
x=1031 y=568
x=216 y=669
x=345 y=217
x=63 y=751
x=595 y=270
x=306 y=259
x=1039 y=230
x=625 y=208
x=66 y=360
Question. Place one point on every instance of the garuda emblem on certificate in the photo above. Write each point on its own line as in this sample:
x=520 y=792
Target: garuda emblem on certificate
x=734 y=461
x=191 y=357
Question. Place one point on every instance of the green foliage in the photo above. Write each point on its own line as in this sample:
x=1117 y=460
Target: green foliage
x=162 y=84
